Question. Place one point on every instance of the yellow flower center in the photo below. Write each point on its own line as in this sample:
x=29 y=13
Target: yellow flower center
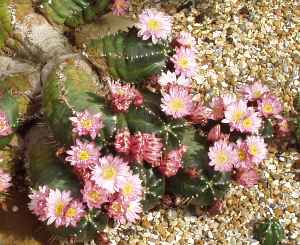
x=127 y=189
x=84 y=155
x=238 y=115
x=268 y=108
x=184 y=62
x=59 y=208
x=248 y=123
x=109 y=173
x=242 y=155
x=257 y=94
x=222 y=158
x=86 y=123
x=116 y=207
x=153 y=25
x=94 y=196
x=176 y=105
x=253 y=150
x=71 y=212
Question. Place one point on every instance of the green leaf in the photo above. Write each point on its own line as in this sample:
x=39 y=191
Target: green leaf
x=269 y=232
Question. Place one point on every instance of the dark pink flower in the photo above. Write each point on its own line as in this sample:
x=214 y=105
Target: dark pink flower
x=116 y=211
x=215 y=133
x=138 y=99
x=219 y=104
x=122 y=141
x=247 y=178
x=199 y=114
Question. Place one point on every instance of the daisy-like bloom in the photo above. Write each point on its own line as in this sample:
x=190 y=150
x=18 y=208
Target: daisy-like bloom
x=84 y=123
x=185 y=39
x=219 y=104
x=170 y=78
x=133 y=210
x=38 y=202
x=83 y=155
x=120 y=7
x=146 y=147
x=155 y=25
x=172 y=162
x=222 y=156
x=185 y=62
x=244 y=160
x=116 y=211
x=122 y=96
x=5 y=181
x=235 y=113
x=5 y=128
x=257 y=148
x=177 y=102
x=250 y=123
x=93 y=195
x=109 y=173
x=122 y=141
x=57 y=202
x=247 y=177
x=73 y=213
x=254 y=91
x=131 y=187
x=270 y=106
x=199 y=114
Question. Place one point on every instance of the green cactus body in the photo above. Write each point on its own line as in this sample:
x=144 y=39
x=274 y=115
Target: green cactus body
x=73 y=12
x=5 y=22
x=127 y=57
x=269 y=232
x=72 y=87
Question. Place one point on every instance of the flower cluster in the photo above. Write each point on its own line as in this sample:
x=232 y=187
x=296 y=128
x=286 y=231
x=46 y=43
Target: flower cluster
x=5 y=128
x=5 y=181
x=120 y=7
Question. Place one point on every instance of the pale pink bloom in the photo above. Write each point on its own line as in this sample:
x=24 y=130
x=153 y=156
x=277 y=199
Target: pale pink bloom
x=5 y=128
x=170 y=78
x=251 y=123
x=219 y=104
x=235 y=113
x=257 y=148
x=199 y=114
x=133 y=210
x=222 y=156
x=283 y=128
x=57 y=202
x=122 y=141
x=131 y=188
x=5 y=181
x=146 y=147
x=186 y=39
x=244 y=158
x=155 y=25
x=254 y=91
x=247 y=177
x=93 y=195
x=270 y=106
x=38 y=202
x=73 y=213
x=122 y=96
x=185 y=62
x=116 y=211
x=109 y=173
x=177 y=102
x=85 y=123
x=120 y=7
x=172 y=162
x=83 y=155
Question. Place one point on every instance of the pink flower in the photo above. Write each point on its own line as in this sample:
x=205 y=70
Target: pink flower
x=254 y=91
x=257 y=148
x=283 y=128
x=199 y=114
x=155 y=25
x=83 y=155
x=133 y=210
x=116 y=211
x=73 y=213
x=235 y=113
x=247 y=177
x=5 y=128
x=93 y=195
x=122 y=141
x=120 y=7
x=244 y=158
x=185 y=39
x=146 y=147
x=38 y=202
x=122 y=96
x=172 y=162
x=270 y=106
x=219 y=104
x=131 y=187
x=109 y=173
x=85 y=123
x=185 y=62
x=215 y=133
x=251 y=123
x=177 y=102
x=138 y=99
x=170 y=78
x=222 y=156
x=57 y=203
x=5 y=181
